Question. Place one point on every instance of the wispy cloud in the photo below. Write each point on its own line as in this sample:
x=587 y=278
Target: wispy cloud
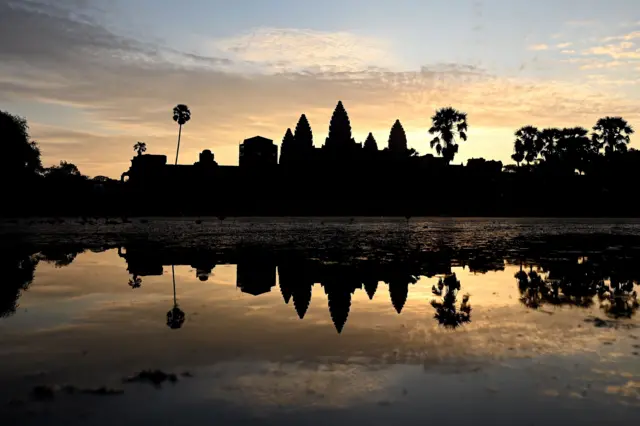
x=564 y=45
x=622 y=50
x=624 y=37
x=602 y=65
x=538 y=47
x=295 y=50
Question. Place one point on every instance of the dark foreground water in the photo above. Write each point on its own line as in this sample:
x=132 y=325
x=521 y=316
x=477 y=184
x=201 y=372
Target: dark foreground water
x=319 y=321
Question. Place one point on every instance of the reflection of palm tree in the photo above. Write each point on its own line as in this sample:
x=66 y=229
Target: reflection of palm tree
x=135 y=282
x=533 y=291
x=447 y=313
x=619 y=299
x=175 y=317
x=181 y=114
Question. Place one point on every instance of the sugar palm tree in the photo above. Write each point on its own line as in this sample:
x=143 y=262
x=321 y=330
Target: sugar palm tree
x=140 y=147
x=181 y=114
x=518 y=152
x=529 y=142
x=612 y=133
x=549 y=141
x=575 y=149
x=448 y=123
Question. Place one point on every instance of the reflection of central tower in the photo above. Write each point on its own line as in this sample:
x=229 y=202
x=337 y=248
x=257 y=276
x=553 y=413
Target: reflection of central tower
x=256 y=273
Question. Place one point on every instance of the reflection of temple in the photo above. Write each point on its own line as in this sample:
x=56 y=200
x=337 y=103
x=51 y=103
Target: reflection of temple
x=256 y=274
x=604 y=278
x=574 y=280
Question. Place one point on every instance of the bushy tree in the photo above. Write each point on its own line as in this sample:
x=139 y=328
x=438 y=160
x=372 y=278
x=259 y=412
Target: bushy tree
x=21 y=154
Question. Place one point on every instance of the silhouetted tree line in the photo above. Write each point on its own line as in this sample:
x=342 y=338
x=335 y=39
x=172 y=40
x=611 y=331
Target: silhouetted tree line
x=572 y=172
x=27 y=188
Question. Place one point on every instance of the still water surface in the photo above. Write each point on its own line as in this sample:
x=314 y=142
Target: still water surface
x=398 y=322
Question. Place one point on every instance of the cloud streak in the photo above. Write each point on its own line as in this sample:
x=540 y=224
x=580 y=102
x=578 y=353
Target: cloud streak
x=296 y=50
x=539 y=47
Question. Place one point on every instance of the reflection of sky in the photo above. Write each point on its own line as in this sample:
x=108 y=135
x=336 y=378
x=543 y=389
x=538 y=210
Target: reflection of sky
x=84 y=324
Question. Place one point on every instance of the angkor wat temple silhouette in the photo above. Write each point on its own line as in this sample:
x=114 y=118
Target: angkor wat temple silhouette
x=304 y=178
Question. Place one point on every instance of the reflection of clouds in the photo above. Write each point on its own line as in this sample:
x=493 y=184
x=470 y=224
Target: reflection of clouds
x=300 y=385
x=629 y=389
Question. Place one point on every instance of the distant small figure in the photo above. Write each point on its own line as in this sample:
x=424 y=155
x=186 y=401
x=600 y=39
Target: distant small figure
x=221 y=218
x=407 y=217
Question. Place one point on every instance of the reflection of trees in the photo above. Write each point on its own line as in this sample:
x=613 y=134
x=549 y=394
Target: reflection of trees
x=533 y=290
x=60 y=256
x=18 y=271
x=447 y=312
x=618 y=299
x=18 y=266
x=578 y=281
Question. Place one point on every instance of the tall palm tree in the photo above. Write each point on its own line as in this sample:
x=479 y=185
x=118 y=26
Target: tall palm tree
x=529 y=142
x=549 y=143
x=518 y=152
x=181 y=114
x=575 y=149
x=448 y=123
x=612 y=133
x=140 y=147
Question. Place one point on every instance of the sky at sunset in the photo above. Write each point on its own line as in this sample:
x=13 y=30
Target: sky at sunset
x=94 y=76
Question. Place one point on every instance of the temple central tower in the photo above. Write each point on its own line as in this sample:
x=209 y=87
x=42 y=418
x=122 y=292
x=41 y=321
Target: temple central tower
x=339 y=138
